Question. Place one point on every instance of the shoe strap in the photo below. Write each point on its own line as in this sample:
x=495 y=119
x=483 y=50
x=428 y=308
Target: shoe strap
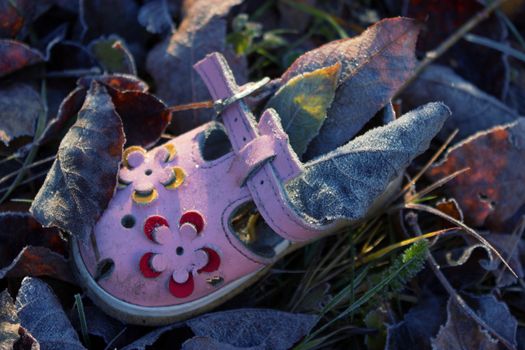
x=263 y=170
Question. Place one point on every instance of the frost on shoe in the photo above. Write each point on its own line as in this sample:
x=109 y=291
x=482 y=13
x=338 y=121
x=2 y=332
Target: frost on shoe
x=344 y=183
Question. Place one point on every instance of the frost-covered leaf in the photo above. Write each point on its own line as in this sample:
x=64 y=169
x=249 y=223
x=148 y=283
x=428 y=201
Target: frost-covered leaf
x=207 y=343
x=472 y=109
x=144 y=116
x=9 y=322
x=15 y=55
x=345 y=182
x=256 y=329
x=20 y=229
x=83 y=178
x=302 y=104
x=491 y=193
x=20 y=107
x=202 y=31
x=113 y=55
x=374 y=65
x=41 y=314
x=103 y=17
x=462 y=333
x=419 y=324
x=155 y=16
x=136 y=107
x=150 y=338
x=39 y=261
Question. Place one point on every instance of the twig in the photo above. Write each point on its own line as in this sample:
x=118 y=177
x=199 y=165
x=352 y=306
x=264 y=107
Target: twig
x=434 y=211
x=191 y=106
x=460 y=302
x=432 y=55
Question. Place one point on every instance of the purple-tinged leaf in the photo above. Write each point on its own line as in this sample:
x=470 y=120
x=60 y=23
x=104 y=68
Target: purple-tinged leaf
x=156 y=15
x=202 y=31
x=253 y=328
x=472 y=109
x=491 y=193
x=144 y=116
x=19 y=229
x=419 y=324
x=37 y=262
x=15 y=55
x=374 y=65
x=136 y=107
x=462 y=333
x=41 y=314
x=83 y=178
x=20 y=107
x=121 y=82
x=16 y=16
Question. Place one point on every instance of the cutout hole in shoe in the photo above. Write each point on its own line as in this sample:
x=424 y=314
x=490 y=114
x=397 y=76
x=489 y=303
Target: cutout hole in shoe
x=214 y=142
x=105 y=268
x=250 y=228
x=128 y=221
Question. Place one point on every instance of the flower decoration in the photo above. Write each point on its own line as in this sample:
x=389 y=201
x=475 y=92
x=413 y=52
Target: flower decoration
x=144 y=172
x=181 y=251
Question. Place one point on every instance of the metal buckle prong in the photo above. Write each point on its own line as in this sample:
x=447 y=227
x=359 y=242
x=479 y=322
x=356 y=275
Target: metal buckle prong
x=245 y=90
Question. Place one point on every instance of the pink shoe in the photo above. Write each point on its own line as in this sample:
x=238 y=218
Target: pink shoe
x=167 y=248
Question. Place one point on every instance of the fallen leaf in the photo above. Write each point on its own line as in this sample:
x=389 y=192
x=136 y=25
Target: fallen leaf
x=135 y=106
x=11 y=21
x=441 y=19
x=462 y=333
x=19 y=229
x=293 y=18
x=41 y=314
x=121 y=82
x=202 y=31
x=144 y=116
x=152 y=337
x=9 y=322
x=344 y=183
x=374 y=65
x=156 y=15
x=15 y=55
x=472 y=109
x=103 y=17
x=491 y=193
x=256 y=329
x=419 y=324
x=83 y=178
x=38 y=262
x=12 y=335
x=451 y=208
x=113 y=55
x=16 y=16
x=20 y=107
x=207 y=343
x=302 y=104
